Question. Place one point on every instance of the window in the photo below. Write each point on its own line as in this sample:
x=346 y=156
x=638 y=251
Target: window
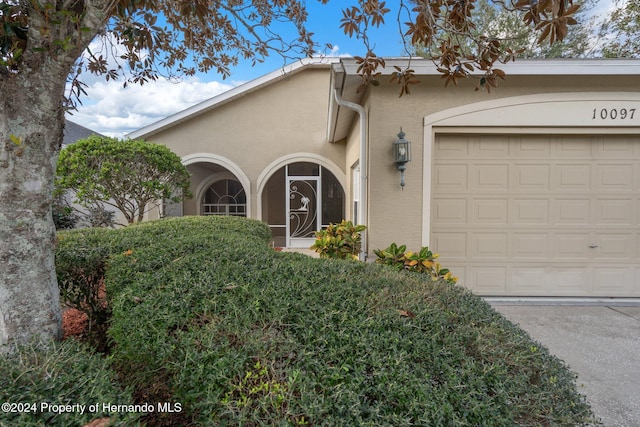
x=355 y=186
x=225 y=197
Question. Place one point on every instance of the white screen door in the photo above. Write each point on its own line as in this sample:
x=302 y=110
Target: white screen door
x=303 y=210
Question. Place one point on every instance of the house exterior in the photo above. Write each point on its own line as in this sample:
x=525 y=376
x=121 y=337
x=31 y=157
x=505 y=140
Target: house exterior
x=532 y=189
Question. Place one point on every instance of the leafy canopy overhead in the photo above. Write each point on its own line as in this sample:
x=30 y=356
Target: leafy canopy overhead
x=447 y=29
x=144 y=39
x=624 y=26
x=127 y=175
x=490 y=19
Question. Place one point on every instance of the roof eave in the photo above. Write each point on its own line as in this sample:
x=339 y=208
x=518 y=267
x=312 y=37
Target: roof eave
x=539 y=67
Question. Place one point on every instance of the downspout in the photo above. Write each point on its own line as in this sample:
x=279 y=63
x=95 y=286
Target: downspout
x=362 y=214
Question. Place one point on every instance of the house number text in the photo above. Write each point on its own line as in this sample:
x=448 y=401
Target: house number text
x=613 y=113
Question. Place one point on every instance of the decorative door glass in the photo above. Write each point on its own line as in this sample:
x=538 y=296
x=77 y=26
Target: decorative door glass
x=303 y=215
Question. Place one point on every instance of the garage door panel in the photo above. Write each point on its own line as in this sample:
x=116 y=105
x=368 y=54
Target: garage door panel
x=615 y=246
x=528 y=281
x=621 y=149
x=571 y=212
x=613 y=178
x=531 y=246
x=527 y=148
x=489 y=245
x=614 y=212
x=451 y=177
x=570 y=177
x=489 y=211
x=570 y=281
x=488 y=147
x=489 y=177
x=569 y=147
x=531 y=177
x=530 y=212
x=614 y=281
x=449 y=211
x=489 y=280
x=527 y=215
x=451 y=245
x=455 y=149
x=572 y=246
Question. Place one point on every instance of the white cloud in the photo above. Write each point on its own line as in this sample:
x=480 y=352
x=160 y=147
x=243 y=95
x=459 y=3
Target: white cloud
x=113 y=110
x=603 y=8
x=335 y=52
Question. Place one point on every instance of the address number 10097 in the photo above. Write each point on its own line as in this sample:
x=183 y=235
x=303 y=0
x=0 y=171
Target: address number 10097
x=614 y=113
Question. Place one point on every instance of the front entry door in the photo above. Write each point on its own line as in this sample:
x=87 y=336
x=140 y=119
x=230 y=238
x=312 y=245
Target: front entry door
x=303 y=212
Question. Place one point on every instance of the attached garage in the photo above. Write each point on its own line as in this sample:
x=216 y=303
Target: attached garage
x=539 y=214
x=551 y=209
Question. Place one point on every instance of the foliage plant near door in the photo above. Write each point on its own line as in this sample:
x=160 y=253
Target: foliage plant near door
x=342 y=241
x=423 y=261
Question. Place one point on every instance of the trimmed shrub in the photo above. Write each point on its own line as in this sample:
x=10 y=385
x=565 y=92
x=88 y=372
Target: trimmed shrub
x=206 y=315
x=36 y=382
x=342 y=241
x=423 y=261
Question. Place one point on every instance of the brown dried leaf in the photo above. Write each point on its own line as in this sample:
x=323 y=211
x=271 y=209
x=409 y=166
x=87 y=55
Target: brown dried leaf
x=406 y=313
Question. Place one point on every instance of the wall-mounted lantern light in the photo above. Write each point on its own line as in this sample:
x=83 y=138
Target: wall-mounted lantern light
x=401 y=155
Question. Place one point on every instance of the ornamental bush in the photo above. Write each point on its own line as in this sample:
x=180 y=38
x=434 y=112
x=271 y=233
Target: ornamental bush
x=423 y=261
x=342 y=241
x=126 y=175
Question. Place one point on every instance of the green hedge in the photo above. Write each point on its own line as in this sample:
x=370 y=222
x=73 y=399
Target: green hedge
x=206 y=315
x=37 y=383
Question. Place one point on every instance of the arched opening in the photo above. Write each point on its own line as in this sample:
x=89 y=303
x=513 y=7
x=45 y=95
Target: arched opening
x=218 y=185
x=300 y=198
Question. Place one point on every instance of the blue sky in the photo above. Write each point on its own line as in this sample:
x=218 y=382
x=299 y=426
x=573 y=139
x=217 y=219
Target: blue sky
x=113 y=110
x=324 y=22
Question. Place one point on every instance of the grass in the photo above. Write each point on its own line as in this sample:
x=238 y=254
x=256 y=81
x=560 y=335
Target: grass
x=204 y=314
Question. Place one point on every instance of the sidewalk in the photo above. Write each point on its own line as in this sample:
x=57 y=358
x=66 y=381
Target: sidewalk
x=304 y=251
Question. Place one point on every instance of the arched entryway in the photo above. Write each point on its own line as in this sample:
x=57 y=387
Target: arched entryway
x=223 y=196
x=299 y=198
x=218 y=185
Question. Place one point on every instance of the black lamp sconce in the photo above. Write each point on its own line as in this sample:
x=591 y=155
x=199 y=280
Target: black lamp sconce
x=401 y=155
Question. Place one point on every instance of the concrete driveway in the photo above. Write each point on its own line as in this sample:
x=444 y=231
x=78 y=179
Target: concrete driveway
x=599 y=343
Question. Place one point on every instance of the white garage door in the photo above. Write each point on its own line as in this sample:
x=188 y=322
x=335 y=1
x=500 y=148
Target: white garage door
x=538 y=215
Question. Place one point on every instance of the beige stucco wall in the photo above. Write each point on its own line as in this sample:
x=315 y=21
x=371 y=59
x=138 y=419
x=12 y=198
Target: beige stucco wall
x=352 y=158
x=255 y=130
x=396 y=215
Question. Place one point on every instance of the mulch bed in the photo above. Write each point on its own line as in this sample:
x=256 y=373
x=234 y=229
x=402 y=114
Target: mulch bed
x=74 y=323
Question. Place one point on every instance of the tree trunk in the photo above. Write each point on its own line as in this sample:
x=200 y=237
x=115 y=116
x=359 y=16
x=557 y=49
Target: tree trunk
x=31 y=129
x=31 y=126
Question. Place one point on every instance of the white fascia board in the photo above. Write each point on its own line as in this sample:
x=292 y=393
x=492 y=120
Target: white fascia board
x=530 y=67
x=336 y=84
x=228 y=96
